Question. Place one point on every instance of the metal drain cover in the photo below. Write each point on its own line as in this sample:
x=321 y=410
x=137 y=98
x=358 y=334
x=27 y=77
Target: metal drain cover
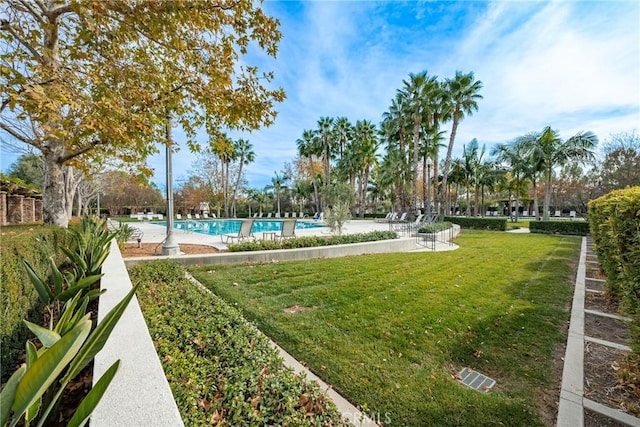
x=475 y=380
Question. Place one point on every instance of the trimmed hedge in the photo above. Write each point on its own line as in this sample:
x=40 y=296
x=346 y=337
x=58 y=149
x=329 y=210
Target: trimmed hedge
x=36 y=244
x=221 y=369
x=615 y=226
x=434 y=227
x=577 y=228
x=478 y=223
x=310 y=241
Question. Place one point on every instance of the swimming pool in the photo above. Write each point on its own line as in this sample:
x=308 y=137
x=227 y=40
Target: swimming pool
x=216 y=227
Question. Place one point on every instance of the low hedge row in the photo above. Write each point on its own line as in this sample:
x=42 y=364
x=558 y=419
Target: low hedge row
x=36 y=244
x=578 y=228
x=310 y=241
x=615 y=226
x=499 y=224
x=434 y=227
x=221 y=369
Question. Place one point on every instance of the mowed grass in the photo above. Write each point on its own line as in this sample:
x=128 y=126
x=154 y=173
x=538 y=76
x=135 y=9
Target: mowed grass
x=390 y=331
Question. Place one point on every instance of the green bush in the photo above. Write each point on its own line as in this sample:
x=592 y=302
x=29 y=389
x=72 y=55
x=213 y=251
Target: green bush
x=310 y=241
x=577 y=228
x=219 y=366
x=479 y=223
x=435 y=227
x=36 y=244
x=615 y=227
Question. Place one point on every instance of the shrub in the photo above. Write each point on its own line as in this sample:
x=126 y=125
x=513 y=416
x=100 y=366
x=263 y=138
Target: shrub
x=499 y=224
x=219 y=366
x=578 y=228
x=310 y=241
x=615 y=226
x=434 y=227
x=36 y=244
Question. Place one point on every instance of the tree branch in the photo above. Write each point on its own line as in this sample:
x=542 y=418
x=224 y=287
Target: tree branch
x=15 y=134
x=32 y=11
x=5 y=26
x=81 y=151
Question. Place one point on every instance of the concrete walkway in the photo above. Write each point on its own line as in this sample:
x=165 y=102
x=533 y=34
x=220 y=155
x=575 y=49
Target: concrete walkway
x=573 y=403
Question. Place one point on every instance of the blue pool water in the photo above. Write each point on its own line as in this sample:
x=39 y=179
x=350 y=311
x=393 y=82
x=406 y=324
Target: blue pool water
x=217 y=227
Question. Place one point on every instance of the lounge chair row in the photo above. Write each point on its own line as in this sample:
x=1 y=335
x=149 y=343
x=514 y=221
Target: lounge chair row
x=246 y=232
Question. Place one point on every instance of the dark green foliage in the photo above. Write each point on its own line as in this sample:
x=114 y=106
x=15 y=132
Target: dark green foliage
x=478 y=223
x=615 y=226
x=218 y=365
x=576 y=228
x=434 y=227
x=36 y=244
x=311 y=241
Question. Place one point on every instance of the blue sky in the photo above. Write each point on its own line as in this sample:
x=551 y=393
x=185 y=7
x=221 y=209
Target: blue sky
x=573 y=65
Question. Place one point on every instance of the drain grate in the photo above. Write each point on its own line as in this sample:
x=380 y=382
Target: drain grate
x=475 y=380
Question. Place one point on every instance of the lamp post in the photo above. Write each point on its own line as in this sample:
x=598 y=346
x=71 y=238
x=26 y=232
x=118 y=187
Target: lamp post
x=429 y=189
x=170 y=246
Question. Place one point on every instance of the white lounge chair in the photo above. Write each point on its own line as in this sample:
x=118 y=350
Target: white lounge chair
x=557 y=214
x=387 y=218
x=178 y=216
x=244 y=232
x=197 y=216
x=189 y=216
x=286 y=214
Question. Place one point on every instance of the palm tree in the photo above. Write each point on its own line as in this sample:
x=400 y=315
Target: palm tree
x=441 y=108
x=307 y=149
x=464 y=94
x=366 y=143
x=325 y=135
x=416 y=93
x=278 y=183
x=224 y=148
x=343 y=130
x=514 y=155
x=243 y=151
x=395 y=131
x=550 y=151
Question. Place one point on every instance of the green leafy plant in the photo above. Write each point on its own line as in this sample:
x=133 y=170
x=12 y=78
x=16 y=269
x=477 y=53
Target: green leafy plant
x=311 y=241
x=499 y=224
x=71 y=341
x=577 y=228
x=434 y=227
x=336 y=216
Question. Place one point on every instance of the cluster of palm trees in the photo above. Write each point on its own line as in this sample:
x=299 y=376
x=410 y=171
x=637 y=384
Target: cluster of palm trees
x=411 y=135
x=411 y=138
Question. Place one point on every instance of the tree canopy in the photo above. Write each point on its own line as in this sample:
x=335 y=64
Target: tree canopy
x=87 y=80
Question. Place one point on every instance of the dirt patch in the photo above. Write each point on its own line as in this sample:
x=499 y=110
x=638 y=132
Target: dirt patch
x=594 y=285
x=606 y=328
x=296 y=309
x=132 y=250
x=600 y=302
x=601 y=382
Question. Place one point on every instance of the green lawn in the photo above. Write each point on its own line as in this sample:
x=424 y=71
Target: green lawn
x=390 y=331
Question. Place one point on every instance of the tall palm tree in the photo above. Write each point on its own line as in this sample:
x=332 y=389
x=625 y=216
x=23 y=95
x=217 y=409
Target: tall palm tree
x=464 y=94
x=395 y=130
x=245 y=155
x=552 y=152
x=366 y=143
x=416 y=93
x=343 y=130
x=325 y=135
x=441 y=108
x=307 y=149
x=224 y=148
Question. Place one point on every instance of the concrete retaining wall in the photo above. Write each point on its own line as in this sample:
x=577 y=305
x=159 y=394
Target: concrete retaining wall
x=382 y=246
x=139 y=395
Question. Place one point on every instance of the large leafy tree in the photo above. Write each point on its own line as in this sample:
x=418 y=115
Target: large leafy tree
x=85 y=80
x=463 y=91
x=551 y=152
x=28 y=168
x=620 y=166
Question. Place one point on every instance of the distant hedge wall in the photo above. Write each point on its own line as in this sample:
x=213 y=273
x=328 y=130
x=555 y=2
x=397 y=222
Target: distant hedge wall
x=614 y=220
x=499 y=224
x=579 y=228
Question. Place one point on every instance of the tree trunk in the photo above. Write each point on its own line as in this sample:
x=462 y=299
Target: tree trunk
x=235 y=189
x=415 y=162
x=452 y=138
x=424 y=180
x=53 y=198
x=547 y=197
x=535 y=198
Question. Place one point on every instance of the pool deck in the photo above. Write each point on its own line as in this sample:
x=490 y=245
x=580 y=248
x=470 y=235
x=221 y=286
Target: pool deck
x=155 y=233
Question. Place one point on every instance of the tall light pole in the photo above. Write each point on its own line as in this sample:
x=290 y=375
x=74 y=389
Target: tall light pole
x=170 y=246
x=429 y=189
